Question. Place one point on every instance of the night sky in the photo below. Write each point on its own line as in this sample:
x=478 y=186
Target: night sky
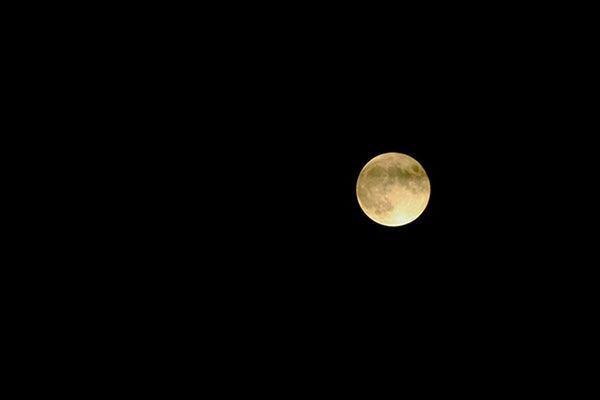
x=236 y=210
x=257 y=160
x=262 y=211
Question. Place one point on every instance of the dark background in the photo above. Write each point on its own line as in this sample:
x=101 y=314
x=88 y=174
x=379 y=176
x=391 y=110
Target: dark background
x=213 y=192
x=252 y=142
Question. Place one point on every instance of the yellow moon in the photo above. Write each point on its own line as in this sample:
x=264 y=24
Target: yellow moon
x=393 y=189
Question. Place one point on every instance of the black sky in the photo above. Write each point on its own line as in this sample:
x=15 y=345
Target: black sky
x=234 y=167
x=254 y=140
x=189 y=192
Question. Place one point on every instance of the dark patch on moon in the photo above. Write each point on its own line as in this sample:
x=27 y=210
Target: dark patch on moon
x=413 y=178
x=376 y=171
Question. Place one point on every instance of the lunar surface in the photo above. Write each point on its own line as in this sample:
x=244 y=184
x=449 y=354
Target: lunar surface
x=393 y=189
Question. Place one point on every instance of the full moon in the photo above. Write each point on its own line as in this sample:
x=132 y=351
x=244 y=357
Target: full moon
x=393 y=189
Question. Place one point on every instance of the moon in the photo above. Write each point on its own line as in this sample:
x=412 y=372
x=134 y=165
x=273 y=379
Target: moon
x=393 y=189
